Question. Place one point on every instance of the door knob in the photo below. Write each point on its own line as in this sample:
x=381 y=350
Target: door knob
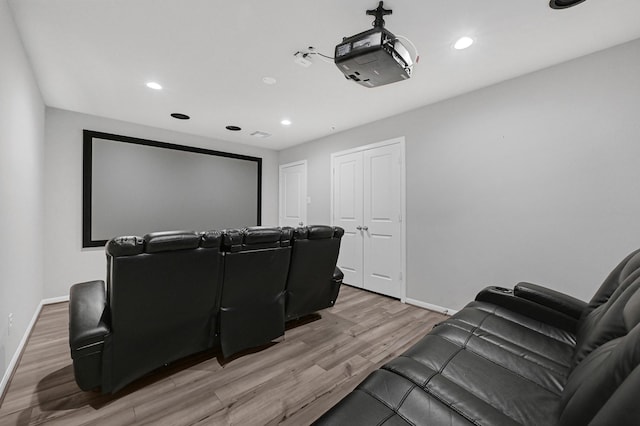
x=300 y=223
x=359 y=228
x=365 y=228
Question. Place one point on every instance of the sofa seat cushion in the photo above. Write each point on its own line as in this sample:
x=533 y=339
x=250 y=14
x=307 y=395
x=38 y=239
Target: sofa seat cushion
x=389 y=399
x=510 y=338
x=484 y=365
x=475 y=386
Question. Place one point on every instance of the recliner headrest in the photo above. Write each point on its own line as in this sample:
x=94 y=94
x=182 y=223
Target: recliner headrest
x=286 y=236
x=301 y=233
x=232 y=240
x=258 y=235
x=255 y=238
x=125 y=246
x=318 y=232
x=170 y=241
x=211 y=239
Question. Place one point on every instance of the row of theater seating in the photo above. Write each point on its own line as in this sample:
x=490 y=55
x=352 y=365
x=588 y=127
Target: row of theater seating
x=172 y=294
x=527 y=356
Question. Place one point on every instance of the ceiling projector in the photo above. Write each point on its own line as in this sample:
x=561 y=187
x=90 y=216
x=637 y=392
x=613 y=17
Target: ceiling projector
x=375 y=57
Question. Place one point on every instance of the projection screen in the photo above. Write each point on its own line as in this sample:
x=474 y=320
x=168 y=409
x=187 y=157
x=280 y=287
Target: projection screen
x=135 y=186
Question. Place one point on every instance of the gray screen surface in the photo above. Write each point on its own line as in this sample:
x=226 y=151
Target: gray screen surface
x=137 y=189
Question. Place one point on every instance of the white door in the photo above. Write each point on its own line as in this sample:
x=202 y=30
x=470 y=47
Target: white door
x=347 y=213
x=293 y=194
x=382 y=220
x=368 y=202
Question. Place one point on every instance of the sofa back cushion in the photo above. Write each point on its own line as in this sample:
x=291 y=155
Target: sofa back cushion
x=163 y=291
x=255 y=272
x=314 y=255
x=602 y=319
x=603 y=388
x=626 y=268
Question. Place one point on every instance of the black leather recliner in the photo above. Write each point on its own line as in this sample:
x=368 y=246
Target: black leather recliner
x=255 y=273
x=314 y=281
x=161 y=302
x=173 y=294
x=89 y=324
x=527 y=356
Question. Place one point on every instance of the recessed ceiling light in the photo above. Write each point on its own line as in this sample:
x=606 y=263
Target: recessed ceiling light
x=180 y=116
x=463 y=43
x=233 y=128
x=153 y=85
x=286 y=122
x=269 y=80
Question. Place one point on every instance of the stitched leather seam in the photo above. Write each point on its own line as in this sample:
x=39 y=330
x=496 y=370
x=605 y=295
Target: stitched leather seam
x=399 y=373
x=506 y=349
x=472 y=333
x=531 y=329
x=383 y=421
x=430 y=391
x=476 y=328
x=374 y=396
x=464 y=347
x=515 y=344
x=386 y=367
x=486 y=312
x=504 y=318
x=512 y=372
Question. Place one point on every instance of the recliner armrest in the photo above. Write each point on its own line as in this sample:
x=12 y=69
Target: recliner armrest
x=555 y=300
x=87 y=315
x=506 y=298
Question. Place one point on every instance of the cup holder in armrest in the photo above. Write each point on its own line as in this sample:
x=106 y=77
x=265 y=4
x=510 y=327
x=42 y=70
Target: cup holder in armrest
x=495 y=294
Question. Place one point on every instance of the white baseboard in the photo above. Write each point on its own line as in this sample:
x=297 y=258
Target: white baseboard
x=429 y=306
x=55 y=300
x=16 y=356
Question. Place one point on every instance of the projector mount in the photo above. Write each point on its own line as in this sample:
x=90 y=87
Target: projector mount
x=375 y=57
x=379 y=13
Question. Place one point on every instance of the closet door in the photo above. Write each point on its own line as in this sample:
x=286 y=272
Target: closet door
x=347 y=213
x=382 y=217
x=293 y=194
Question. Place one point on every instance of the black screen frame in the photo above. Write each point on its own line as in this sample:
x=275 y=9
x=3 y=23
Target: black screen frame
x=87 y=174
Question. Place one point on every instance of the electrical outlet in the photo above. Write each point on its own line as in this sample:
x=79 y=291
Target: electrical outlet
x=10 y=324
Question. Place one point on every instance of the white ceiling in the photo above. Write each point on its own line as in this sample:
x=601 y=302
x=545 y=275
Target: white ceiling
x=95 y=56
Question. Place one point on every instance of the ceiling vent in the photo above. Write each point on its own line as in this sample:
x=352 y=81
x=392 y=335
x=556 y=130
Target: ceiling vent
x=259 y=134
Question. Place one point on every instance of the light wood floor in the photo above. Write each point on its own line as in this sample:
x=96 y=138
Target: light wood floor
x=291 y=382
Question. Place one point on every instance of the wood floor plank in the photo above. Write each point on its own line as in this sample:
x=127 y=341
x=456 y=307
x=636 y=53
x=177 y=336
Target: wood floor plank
x=292 y=382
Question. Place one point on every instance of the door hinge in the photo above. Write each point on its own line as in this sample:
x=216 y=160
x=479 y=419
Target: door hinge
x=400 y=276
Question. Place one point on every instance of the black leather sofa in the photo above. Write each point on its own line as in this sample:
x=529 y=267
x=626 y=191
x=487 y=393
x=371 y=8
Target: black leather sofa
x=173 y=294
x=527 y=356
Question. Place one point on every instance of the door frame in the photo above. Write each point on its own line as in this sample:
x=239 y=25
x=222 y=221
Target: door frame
x=306 y=179
x=403 y=200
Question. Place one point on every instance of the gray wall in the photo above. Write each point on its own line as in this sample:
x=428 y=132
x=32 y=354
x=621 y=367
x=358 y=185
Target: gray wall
x=21 y=189
x=536 y=178
x=66 y=262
